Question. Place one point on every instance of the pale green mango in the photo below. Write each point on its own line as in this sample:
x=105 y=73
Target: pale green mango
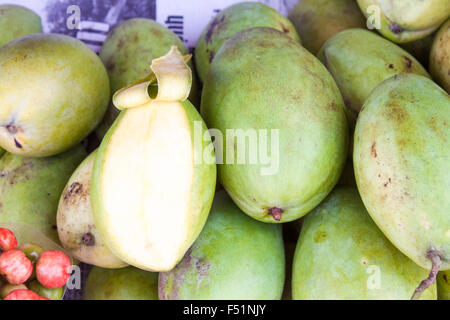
x=230 y=21
x=121 y=284
x=318 y=20
x=16 y=22
x=403 y=21
x=66 y=95
x=235 y=257
x=30 y=188
x=262 y=82
x=402 y=165
x=440 y=57
x=359 y=60
x=443 y=285
x=127 y=53
x=342 y=255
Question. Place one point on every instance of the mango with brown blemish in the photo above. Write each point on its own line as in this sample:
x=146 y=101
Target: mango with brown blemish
x=440 y=57
x=402 y=166
x=230 y=21
x=443 y=285
x=342 y=255
x=75 y=222
x=235 y=257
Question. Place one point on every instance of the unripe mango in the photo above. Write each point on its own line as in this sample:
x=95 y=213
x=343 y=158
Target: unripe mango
x=16 y=22
x=30 y=188
x=341 y=254
x=443 y=285
x=235 y=257
x=230 y=21
x=318 y=20
x=440 y=57
x=280 y=102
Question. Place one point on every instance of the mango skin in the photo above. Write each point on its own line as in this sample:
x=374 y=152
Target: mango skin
x=254 y=84
x=66 y=96
x=76 y=228
x=318 y=20
x=30 y=188
x=359 y=60
x=127 y=54
x=440 y=57
x=340 y=251
x=403 y=21
x=121 y=284
x=235 y=257
x=443 y=285
x=230 y=21
x=402 y=165
x=16 y=22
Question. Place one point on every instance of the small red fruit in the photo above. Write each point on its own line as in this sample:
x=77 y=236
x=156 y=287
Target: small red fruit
x=15 y=266
x=53 y=269
x=7 y=239
x=43 y=298
x=22 y=294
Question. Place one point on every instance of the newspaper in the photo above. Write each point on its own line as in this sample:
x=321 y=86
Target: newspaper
x=91 y=20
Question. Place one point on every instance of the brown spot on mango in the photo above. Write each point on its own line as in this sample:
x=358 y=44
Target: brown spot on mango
x=320 y=236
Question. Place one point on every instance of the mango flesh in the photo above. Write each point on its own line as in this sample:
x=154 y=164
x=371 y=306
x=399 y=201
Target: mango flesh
x=66 y=96
x=440 y=57
x=30 y=188
x=359 y=60
x=16 y=22
x=404 y=21
x=318 y=20
x=127 y=53
x=75 y=222
x=230 y=21
x=402 y=165
x=121 y=284
x=149 y=193
x=443 y=285
x=235 y=257
x=263 y=82
x=342 y=255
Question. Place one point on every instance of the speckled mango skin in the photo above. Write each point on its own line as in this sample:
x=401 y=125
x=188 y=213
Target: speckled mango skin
x=440 y=57
x=30 y=188
x=54 y=92
x=359 y=60
x=127 y=283
x=318 y=20
x=402 y=165
x=235 y=257
x=127 y=54
x=443 y=285
x=262 y=79
x=403 y=21
x=230 y=21
x=17 y=21
x=341 y=252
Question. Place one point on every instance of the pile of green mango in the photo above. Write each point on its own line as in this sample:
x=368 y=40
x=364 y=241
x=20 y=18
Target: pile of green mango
x=310 y=162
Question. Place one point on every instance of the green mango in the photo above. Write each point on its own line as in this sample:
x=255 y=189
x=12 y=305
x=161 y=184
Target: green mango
x=342 y=255
x=235 y=257
x=359 y=60
x=443 y=285
x=66 y=96
x=75 y=222
x=16 y=22
x=30 y=188
x=230 y=21
x=127 y=53
x=318 y=20
x=277 y=90
x=402 y=166
x=404 y=21
x=440 y=57
x=121 y=284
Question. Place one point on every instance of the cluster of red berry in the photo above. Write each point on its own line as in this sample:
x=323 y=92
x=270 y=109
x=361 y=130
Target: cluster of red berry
x=46 y=272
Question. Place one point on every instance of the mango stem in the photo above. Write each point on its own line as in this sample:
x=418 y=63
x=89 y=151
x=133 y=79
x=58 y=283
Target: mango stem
x=435 y=259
